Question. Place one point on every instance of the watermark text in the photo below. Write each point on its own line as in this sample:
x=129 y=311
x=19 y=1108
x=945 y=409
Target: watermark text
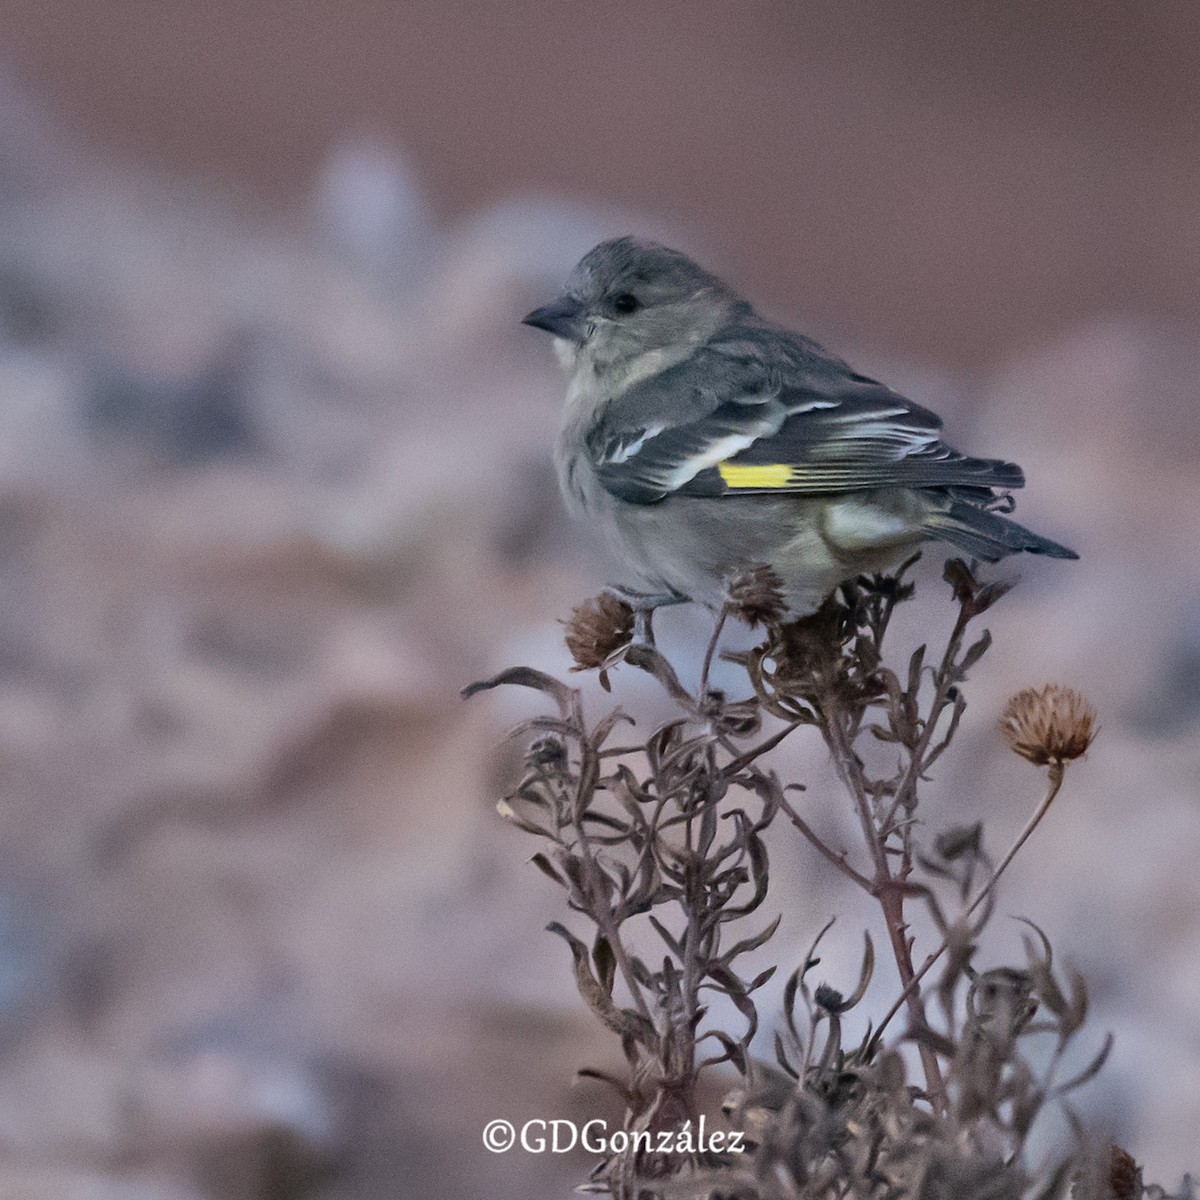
x=561 y=1136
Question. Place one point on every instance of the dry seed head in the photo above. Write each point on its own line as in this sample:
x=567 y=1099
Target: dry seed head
x=1052 y=725
x=755 y=594
x=597 y=629
x=1124 y=1175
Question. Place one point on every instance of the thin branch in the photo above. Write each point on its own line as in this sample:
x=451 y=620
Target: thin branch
x=891 y=899
x=605 y=922
x=945 y=681
x=1057 y=771
x=838 y=860
x=711 y=650
x=850 y=772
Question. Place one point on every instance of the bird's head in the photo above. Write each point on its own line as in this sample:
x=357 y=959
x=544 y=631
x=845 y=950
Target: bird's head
x=627 y=297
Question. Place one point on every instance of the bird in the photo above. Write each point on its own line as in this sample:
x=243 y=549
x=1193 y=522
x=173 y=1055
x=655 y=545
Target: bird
x=704 y=439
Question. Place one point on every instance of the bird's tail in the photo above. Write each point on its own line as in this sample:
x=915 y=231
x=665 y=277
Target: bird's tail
x=986 y=535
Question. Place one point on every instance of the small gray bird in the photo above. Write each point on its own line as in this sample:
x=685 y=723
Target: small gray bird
x=704 y=439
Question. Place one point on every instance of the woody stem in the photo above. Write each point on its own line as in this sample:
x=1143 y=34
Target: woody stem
x=889 y=894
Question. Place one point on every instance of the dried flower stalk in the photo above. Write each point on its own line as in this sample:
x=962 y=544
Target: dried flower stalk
x=661 y=846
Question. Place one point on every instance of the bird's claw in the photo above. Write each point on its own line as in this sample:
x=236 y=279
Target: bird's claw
x=643 y=605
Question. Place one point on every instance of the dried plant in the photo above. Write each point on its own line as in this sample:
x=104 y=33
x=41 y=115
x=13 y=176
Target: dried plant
x=597 y=630
x=1053 y=725
x=661 y=845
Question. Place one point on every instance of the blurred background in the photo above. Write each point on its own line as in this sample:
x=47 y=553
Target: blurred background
x=275 y=484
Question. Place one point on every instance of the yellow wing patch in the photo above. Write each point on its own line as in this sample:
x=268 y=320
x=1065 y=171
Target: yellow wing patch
x=770 y=475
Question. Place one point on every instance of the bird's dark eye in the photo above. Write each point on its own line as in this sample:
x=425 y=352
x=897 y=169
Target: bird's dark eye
x=625 y=303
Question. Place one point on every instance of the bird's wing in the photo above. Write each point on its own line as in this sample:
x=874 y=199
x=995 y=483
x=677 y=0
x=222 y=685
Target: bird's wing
x=832 y=431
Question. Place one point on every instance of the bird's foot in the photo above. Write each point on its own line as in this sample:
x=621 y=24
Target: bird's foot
x=643 y=605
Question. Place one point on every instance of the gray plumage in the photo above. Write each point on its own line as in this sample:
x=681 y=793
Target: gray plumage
x=703 y=439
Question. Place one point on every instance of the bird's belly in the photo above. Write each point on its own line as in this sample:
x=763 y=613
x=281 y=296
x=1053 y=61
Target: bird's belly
x=693 y=545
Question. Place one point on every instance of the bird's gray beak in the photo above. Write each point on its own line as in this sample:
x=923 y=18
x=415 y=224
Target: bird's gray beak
x=563 y=317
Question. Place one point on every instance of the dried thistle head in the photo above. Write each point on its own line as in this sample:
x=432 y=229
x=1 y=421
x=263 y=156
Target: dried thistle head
x=1054 y=724
x=597 y=629
x=812 y=646
x=1124 y=1175
x=755 y=594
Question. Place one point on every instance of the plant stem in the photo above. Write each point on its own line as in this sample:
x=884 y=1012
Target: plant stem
x=890 y=897
x=588 y=778
x=708 y=654
x=945 y=681
x=838 y=860
x=849 y=771
x=1057 y=770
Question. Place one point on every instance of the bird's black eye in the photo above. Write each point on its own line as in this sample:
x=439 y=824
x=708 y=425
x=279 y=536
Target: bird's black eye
x=625 y=303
